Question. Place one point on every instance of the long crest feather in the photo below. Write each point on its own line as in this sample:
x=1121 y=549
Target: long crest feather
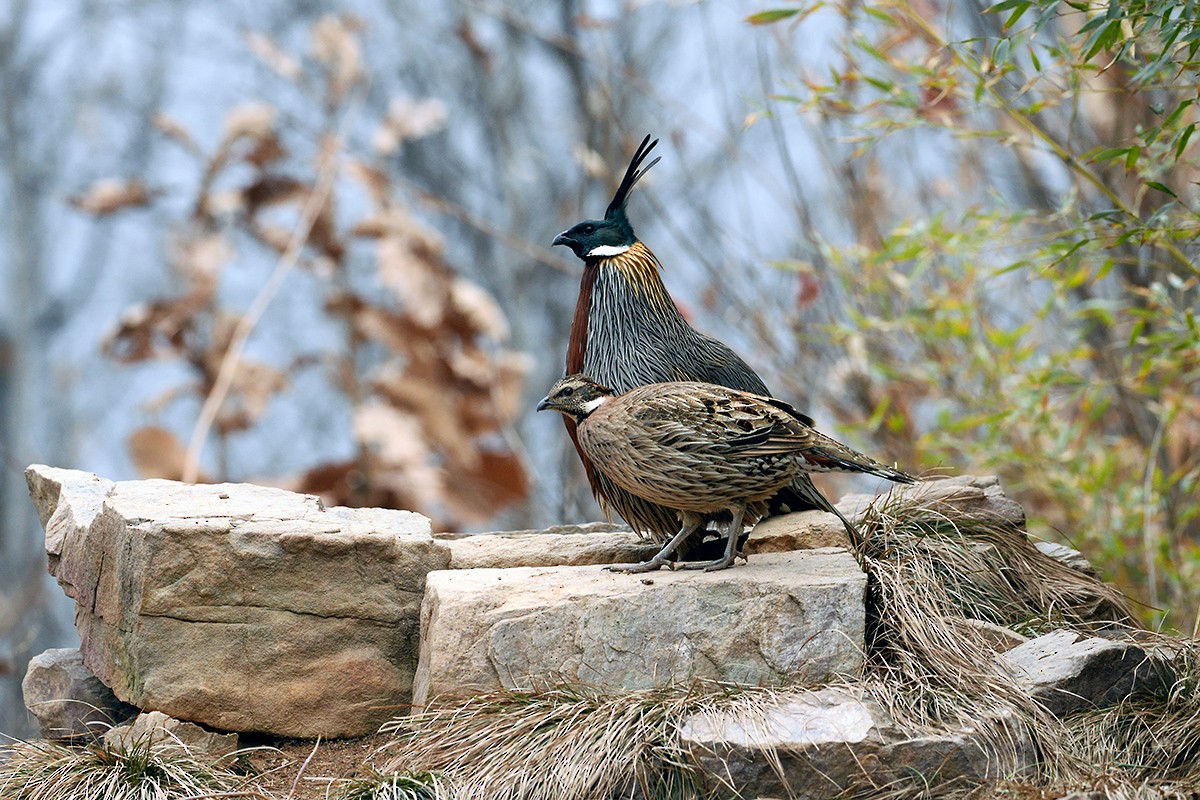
x=617 y=207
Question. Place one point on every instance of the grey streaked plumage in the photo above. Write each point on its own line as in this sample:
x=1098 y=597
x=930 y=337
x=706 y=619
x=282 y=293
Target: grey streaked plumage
x=637 y=336
x=700 y=449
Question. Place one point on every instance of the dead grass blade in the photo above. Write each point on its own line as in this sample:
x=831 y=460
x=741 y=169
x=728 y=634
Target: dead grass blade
x=43 y=770
x=562 y=742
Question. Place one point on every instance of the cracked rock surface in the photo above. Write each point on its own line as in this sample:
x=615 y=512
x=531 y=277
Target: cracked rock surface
x=816 y=744
x=1066 y=671
x=241 y=607
x=783 y=616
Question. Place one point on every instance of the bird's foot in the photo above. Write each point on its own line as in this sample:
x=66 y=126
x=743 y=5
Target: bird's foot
x=712 y=566
x=633 y=569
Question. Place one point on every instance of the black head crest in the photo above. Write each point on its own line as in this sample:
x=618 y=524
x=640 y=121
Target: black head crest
x=616 y=209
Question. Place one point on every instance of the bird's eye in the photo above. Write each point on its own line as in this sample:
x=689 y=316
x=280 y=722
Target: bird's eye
x=568 y=391
x=589 y=228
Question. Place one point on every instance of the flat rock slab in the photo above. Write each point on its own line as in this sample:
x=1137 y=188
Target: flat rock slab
x=241 y=607
x=1066 y=671
x=782 y=617
x=562 y=545
x=811 y=745
x=160 y=732
x=802 y=530
x=980 y=496
x=605 y=543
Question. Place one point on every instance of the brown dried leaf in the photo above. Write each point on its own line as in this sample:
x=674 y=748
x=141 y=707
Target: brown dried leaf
x=372 y=227
x=498 y=480
x=266 y=150
x=157 y=330
x=251 y=120
x=323 y=234
x=273 y=190
x=348 y=483
x=110 y=195
x=174 y=130
x=401 y=457
x=416 y=280
x=254 y=385
x=157 y=453
x=335 y=46
x=268 y=52
x=269 y=190
x=277 y=238
x=380 y=325
x=408 y=119
x=477 y=308
x=374 y=180
x=425 y=392
x=200 y=257
x=471 y=366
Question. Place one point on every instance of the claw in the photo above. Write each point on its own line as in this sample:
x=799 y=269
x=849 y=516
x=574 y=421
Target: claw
x=633 y=569
x=709 y=566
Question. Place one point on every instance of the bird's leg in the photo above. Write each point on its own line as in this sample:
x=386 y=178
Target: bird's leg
x=856 y=538
x=690 y=523
x=731 y=551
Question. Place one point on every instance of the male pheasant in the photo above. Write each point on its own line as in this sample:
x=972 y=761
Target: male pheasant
x=627 y=332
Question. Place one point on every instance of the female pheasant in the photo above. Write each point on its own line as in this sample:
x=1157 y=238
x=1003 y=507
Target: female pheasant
x=700 y=449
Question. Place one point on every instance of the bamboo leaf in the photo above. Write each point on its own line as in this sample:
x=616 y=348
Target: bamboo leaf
x=772 y=15
x=1184 y=136
x=1111 y=153
x=1162 y=188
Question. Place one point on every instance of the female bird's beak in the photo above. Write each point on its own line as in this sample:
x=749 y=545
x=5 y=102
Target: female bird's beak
x=543 y=404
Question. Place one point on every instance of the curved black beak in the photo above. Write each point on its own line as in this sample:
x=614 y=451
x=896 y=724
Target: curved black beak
x=544 y=403
x=563 y=239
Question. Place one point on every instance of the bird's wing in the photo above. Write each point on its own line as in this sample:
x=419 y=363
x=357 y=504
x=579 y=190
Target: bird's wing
x=711 y=361
x=775 y=428
x=702 y=417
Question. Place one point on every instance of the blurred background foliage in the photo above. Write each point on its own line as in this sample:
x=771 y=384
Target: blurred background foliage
x=306 y=244
x=1047 y=333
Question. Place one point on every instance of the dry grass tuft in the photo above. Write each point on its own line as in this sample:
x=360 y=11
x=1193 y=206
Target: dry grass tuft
x=562 y=742
x=407 y=785
x=931 y=568
x=43 y=770
x=1150 y=737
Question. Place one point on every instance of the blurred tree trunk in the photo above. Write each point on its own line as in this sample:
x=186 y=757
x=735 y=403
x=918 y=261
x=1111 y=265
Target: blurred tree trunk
x=30 y=605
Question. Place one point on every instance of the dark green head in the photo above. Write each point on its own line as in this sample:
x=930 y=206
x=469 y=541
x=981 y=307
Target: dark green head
x=576 y=396
x=613 y=235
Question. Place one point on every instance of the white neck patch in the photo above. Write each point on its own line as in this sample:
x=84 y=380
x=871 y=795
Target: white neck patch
x=608 y=250
x=592 y=405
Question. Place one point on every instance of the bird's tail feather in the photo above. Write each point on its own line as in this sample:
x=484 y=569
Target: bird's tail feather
x=803 y=495
x=848 y=460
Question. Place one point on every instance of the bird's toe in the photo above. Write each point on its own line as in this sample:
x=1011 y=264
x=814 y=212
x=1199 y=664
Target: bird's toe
x=633 y=569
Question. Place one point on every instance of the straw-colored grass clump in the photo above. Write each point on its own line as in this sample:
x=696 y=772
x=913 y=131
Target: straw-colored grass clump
x=141 y=770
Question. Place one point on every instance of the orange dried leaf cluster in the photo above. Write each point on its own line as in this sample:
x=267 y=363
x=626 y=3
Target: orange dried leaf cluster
x=424 y=364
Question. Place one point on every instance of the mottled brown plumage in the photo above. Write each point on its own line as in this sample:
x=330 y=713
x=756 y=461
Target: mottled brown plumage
x=700 y=449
